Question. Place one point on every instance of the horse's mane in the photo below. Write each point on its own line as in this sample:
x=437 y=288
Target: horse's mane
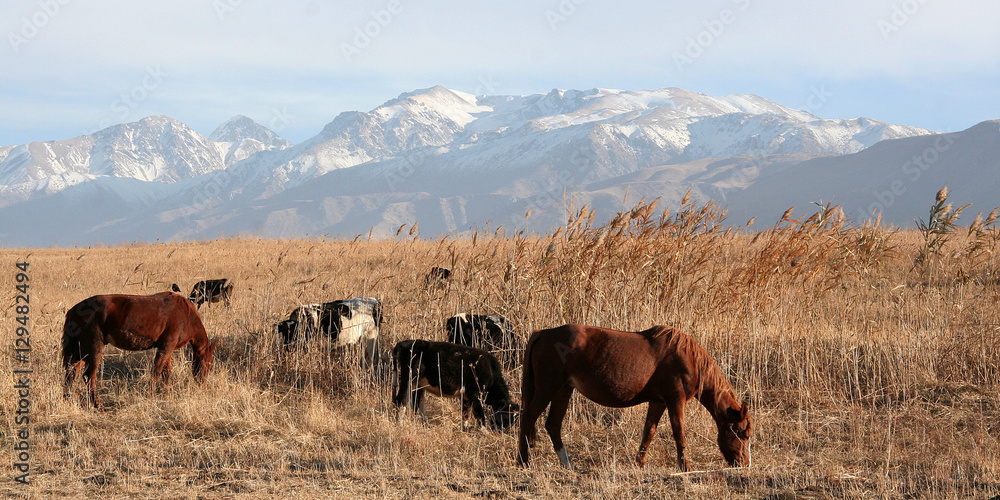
x=712 y=381
x=656 y=331
x=713 y=387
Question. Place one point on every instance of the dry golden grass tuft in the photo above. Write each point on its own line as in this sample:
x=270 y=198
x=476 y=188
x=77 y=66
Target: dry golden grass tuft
x=869 y=376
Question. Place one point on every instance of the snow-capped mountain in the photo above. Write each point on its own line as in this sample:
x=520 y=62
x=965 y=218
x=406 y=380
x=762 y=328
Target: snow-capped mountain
x=446 y=158
x=615 y=132
x=154 y=149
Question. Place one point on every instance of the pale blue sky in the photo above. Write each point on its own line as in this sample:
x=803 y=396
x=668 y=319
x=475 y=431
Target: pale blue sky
x=69 y=67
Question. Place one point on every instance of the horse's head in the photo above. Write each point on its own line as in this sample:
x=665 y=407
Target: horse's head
x=734 y=435
x=203 y=359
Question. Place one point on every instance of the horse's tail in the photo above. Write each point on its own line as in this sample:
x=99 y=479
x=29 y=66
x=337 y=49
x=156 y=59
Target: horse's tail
x=71 y=339
x=78 y=331
x=528 y=372
x=527 y=432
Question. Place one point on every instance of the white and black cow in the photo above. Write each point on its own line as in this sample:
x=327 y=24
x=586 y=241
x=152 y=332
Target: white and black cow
x=208 y=291
x=451 y=370
x=345 y=322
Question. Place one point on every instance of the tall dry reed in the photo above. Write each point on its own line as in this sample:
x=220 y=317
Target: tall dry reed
x=867 y=378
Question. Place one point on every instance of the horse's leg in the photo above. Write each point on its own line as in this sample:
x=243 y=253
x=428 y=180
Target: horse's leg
x=161 y=366
x=676 y=410
x=553 y=424
x=653 y=414
x=370 y=348
x=93 y=363
x=72 y=361
x=535 y=399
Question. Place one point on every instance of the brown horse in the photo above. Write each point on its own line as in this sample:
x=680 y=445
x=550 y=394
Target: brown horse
x=661 y=366
x=134 y=323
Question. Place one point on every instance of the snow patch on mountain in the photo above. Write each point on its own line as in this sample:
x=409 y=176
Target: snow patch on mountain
x=240 y=137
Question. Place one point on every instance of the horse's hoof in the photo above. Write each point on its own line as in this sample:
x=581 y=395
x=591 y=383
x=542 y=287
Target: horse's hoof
x=564 y=459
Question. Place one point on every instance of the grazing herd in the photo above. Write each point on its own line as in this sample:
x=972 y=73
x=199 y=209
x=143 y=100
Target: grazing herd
x=660 y=366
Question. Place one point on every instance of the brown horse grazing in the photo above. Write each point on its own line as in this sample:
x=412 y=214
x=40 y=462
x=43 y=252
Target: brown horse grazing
x=134 y=323
x=661 y=366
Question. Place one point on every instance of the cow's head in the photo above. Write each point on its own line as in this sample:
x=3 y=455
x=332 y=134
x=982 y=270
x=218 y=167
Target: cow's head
x=505 y=416
x=286 y=329
x=344 y=310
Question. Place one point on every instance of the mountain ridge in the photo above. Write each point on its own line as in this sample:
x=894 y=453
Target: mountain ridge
x=446 y=158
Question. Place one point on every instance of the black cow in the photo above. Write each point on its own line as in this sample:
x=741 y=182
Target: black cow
x=452 y=370
x=490 y=332
x=438 y=276
x=345 y=322
x=208 y=291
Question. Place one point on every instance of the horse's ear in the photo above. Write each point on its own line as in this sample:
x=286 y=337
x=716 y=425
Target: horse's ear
x=175 y=288
x=211 y=347
x=745 y=411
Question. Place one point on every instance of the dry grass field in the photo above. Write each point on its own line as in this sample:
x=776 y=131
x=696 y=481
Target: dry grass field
x=873 y=373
